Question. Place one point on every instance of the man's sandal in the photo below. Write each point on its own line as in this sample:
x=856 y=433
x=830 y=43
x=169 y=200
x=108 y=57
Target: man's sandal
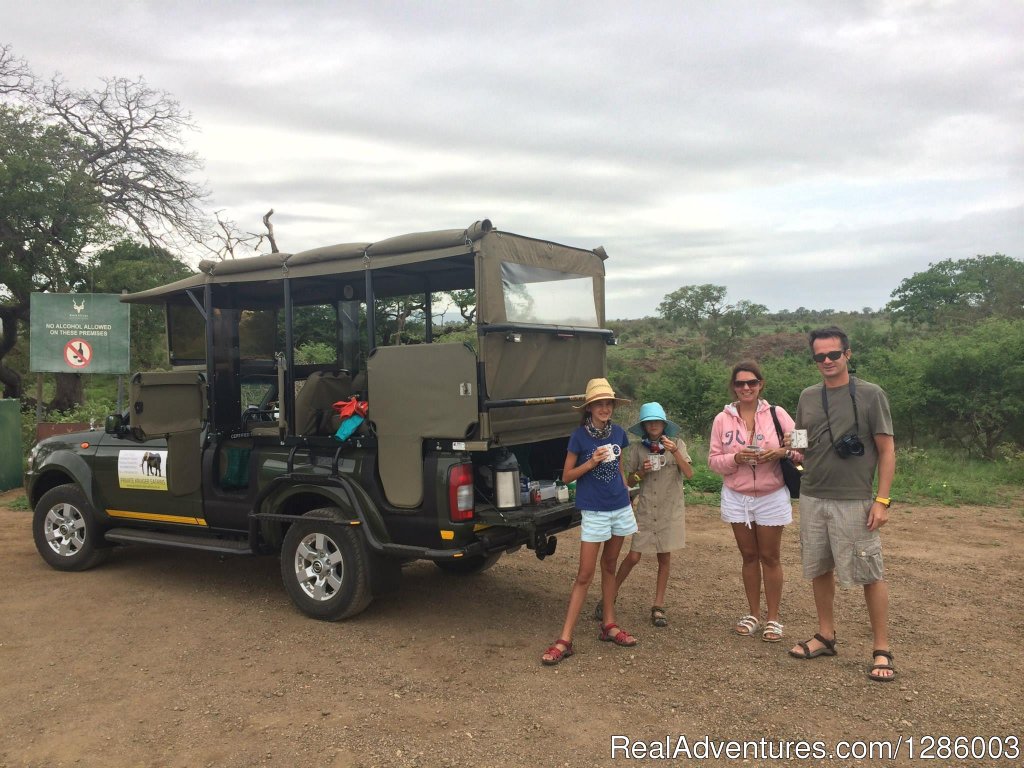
x=772 y=632
x=622 y=637
x=828 y=648
x=747 y=626
x=875 y=667
x=658 y=616
x=556 y=654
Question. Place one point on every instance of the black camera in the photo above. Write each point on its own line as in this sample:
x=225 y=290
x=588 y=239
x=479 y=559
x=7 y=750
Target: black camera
x=849 y=445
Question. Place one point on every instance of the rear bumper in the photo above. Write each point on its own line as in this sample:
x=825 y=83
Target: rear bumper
x=530 y=525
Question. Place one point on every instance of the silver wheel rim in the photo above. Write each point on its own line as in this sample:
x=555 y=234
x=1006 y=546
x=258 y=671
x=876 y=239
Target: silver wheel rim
x=319 y=566
x=65 y=530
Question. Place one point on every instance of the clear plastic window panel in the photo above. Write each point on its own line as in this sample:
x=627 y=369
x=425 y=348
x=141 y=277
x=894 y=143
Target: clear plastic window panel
x=547 y=297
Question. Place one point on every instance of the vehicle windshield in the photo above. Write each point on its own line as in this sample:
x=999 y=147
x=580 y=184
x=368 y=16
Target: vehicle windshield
x=547 y=297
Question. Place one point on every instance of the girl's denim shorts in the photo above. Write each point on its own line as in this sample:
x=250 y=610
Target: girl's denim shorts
x=600 y=526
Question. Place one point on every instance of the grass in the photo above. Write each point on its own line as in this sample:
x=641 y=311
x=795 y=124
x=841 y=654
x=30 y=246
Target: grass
x=923 y=476
x=20 y=503
x=938 y=475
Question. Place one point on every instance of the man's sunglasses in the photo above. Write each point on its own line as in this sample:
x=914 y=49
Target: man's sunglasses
x=746 y=383
x=833 y=356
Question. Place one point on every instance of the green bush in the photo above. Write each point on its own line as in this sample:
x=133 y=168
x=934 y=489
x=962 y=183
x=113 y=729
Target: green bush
x=692 y=392
x=705 y=486
x=786 y=377
x=315 y=352
x=94 y=412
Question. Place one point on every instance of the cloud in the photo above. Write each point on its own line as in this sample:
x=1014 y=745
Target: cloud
x=773 y=149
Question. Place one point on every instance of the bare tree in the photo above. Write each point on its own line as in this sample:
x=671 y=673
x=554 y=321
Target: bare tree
x=229 y=241
x=15 y=76
x=270 y=232
x=226 y=239
x=134 y=154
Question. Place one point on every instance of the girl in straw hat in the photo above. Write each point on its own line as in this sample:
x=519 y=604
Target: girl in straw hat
x=592 y=460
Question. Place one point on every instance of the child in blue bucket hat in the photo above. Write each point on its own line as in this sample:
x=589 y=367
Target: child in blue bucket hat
x=659 y=463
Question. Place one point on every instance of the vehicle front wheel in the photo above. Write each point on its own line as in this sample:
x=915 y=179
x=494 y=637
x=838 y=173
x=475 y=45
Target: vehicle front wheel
x=66 y=532
x=325 y=567
x=468 y=565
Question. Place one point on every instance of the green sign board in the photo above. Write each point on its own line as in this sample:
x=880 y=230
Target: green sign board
x=79 y=333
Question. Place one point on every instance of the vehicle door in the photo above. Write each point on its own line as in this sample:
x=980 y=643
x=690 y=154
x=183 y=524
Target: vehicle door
x=155 y=475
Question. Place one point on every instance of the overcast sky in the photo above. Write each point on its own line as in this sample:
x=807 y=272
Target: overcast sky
x=801 y=154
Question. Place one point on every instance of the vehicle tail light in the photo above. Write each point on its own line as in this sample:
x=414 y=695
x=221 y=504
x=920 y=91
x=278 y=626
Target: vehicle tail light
x=460 y=493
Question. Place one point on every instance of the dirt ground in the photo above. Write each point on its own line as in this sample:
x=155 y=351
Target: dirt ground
x=164 y=658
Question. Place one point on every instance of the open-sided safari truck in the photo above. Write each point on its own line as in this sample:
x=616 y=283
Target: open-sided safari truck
x=235 y=450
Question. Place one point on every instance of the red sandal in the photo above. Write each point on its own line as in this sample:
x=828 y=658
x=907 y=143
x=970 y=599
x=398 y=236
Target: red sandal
x=622 y=637
x=556 y=653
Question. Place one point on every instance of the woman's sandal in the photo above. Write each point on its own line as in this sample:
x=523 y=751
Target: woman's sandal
x=622 y=637
x=747 y=626
x=874 y=667
x=772 y=632
x=828 y=648
x=557 y=654
x=658 y=616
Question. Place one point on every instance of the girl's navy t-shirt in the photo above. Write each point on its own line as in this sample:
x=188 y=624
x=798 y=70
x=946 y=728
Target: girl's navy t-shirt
x=600 y=489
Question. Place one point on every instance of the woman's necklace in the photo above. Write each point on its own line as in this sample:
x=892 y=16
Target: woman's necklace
x=749 y=423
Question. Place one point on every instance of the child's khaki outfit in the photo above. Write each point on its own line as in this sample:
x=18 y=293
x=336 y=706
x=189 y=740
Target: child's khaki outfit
x=660 y=508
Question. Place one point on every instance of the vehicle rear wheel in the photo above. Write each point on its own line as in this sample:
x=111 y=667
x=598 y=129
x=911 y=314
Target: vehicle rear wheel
x=468 y=565
x=66 y=532
x=325 y=567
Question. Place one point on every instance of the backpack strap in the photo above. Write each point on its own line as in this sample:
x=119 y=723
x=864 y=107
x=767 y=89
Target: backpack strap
x=778 y=426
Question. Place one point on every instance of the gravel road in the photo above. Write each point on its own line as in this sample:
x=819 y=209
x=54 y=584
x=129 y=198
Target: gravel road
x=164 y=658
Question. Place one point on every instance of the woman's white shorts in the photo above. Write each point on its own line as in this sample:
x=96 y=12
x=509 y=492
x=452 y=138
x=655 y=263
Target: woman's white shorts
x=771 y=509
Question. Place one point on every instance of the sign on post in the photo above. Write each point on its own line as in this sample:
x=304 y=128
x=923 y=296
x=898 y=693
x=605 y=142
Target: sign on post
x=79 y=333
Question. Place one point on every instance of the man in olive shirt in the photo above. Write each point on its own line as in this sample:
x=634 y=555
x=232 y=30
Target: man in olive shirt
x=849 y=436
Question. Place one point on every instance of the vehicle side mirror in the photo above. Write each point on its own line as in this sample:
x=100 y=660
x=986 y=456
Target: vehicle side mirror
x=113 y=424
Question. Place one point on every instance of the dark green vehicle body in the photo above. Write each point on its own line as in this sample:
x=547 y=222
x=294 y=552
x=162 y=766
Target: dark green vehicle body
x=233 y=450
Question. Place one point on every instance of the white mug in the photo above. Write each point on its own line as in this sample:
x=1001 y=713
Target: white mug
x=614 y=453
x=657 y=461
x=798 y=438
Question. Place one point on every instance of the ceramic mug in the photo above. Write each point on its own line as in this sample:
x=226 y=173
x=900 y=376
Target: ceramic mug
x=614 y=453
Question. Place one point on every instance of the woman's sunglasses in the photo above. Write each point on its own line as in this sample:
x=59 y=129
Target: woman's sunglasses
x=746 y=383
x=833 y=356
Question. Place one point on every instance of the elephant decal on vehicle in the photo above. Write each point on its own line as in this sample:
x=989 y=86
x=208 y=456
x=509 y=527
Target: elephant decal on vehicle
x=151 y=463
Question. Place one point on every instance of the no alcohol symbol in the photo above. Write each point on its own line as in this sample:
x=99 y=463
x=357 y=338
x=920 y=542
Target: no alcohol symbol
x=77 y=353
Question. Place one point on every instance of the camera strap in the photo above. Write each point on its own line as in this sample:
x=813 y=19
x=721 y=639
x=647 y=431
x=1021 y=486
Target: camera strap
x=824 y=404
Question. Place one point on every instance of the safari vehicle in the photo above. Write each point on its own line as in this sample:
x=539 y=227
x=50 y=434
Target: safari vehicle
x=234 y=450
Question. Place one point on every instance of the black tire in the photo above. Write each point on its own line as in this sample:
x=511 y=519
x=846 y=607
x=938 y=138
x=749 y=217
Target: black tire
x=465 y=566
x=66 y=532
x=325 y=566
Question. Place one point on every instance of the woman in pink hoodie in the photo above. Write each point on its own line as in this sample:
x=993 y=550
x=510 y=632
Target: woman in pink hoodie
x=745 y=450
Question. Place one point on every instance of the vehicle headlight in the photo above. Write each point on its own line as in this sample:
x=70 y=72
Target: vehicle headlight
x=32 y=455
